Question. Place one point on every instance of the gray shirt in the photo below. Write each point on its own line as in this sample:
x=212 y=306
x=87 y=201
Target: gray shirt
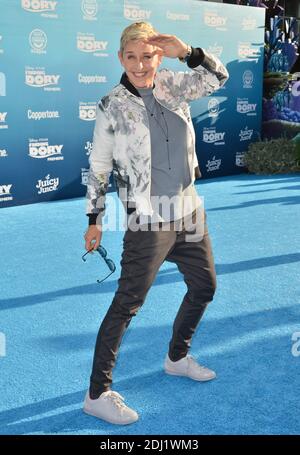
x=170 y=174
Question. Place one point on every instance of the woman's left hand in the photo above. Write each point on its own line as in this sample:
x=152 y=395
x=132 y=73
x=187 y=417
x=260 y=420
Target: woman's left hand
x=169 y=45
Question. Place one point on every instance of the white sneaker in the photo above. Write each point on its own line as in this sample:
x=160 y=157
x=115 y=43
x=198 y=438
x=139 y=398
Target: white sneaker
x=189 y=367
x=110 y=407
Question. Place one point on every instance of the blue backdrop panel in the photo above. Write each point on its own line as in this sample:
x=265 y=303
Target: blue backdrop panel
x=58 y=58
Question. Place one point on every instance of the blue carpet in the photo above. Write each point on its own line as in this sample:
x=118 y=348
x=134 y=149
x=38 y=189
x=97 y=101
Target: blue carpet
x=51 y=308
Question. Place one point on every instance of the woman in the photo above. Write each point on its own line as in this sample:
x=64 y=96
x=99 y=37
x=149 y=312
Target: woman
x=145 y=136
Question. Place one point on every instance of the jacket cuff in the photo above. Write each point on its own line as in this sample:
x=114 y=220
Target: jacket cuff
x=196 y=58
x=92 y=218
x=198 y=174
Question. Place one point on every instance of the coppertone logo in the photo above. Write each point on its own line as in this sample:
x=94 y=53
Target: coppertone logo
x=48 y=185
x=246 y=134
x=240 y=159
x=40 y=115
x=40 y=148
x=213 y=107
x=89 y=9
x=210 y=136
x=86 y=42
x=88 y=147
x=177 y=16
x=248 y=78
x=216 y=50
x=84 y=176
x=244 y=107
x=37 y=77
x=249 y=23
x=212 y=19
x=38 y=41
x=213 y=164
x=91 y=79
x=40 y=6
x=3 y=124
x=248 y=53
x=3 y=153
x=133 y=11
x=87 y=111
x=2 y=84
x=5 y=193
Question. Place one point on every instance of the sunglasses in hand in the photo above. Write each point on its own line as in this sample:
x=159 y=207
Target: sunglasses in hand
x=109 y=262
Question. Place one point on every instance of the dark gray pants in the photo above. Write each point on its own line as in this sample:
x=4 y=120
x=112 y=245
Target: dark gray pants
x=143 y=254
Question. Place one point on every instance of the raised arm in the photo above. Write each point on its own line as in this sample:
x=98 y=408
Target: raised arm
x=208 y=72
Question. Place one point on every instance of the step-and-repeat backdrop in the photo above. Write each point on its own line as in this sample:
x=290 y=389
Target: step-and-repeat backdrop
x=58 y=58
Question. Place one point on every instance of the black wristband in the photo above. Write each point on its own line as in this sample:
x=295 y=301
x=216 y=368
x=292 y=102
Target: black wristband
x=92 y=218
x=196 y=58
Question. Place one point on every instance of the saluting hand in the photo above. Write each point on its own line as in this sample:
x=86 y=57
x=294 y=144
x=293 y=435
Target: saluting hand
x=169 y=45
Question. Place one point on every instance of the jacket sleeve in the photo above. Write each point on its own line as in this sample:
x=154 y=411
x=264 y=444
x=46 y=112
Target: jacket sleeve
x=197 y=172
x=101 y=164
x=208 y=75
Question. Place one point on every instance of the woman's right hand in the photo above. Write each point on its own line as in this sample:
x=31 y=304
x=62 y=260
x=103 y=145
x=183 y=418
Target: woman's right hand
x=93 y=237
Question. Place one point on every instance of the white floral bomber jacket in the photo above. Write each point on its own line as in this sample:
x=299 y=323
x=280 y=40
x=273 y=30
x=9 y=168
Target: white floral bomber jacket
x=121 y=139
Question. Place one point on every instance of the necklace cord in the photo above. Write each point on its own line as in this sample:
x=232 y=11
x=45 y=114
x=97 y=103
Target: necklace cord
x=166 y=134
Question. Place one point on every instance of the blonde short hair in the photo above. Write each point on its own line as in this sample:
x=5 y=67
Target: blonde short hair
x=136 y=31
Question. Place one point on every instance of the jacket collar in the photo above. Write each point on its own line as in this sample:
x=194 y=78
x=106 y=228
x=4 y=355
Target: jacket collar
x=127 y=84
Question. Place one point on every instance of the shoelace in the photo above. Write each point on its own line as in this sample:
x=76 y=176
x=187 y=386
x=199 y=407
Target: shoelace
x=195 y=363
x=116 y=399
